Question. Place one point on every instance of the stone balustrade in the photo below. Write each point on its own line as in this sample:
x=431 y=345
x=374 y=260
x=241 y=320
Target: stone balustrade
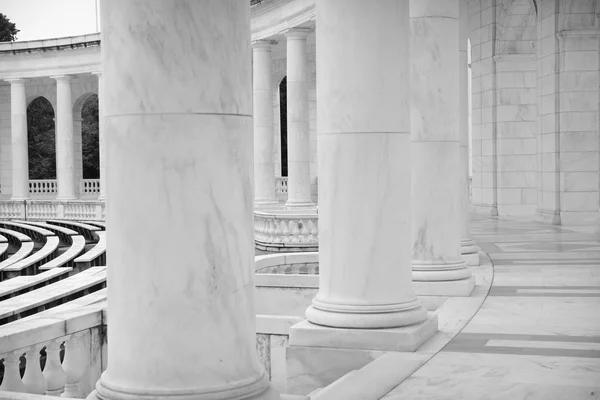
x=43 y=187
x=89 y=187
x=80 y=210
x=281 y=188
x=284 y=230
x=38 y=347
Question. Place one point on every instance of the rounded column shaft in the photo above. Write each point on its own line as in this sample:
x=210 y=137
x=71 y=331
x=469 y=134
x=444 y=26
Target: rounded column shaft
x=65 y=148
x=20 y=155
x=178 y=124
x=435 y=160
x=297 y=120
x=101 y=137
x=467 y=246
x=363 y=147
x=264 y=174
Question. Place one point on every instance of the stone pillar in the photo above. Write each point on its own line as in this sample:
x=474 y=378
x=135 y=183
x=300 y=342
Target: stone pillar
x=178 y=122
x=297 y=120
x=20 y=155
x=65 y=149
x=435 y=161
x=363 y=154
x=264 y=175
x=468 y=248
x=101 y=137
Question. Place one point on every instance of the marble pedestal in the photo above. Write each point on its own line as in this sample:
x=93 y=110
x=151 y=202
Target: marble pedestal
x=318 y=355
x=458 y=288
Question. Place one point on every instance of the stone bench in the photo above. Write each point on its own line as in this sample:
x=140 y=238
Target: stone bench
x=36 y=233
x=14 y=237
x=64 y=234
x=30 y=264
x=96 y=256
x=86 y=230
x=66 y=259
x=23 y=242
x=100 y=224
x=52 y=295
x=22 y=284
x=3 y=248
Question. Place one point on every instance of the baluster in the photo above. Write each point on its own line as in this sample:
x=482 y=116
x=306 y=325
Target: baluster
x=34 y=379
x=277 y=233
x=315 y=230
x=12 y=376
x=272 y=227
x=53 y=371
x=305 y=231
x=295 y=232
x=75 y=365
x=285 y=231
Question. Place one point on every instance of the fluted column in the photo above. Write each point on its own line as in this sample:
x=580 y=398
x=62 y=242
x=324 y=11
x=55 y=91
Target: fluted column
x=101 y=137
x=65 y=149
x=468 y=247
x=178 y=122
x=363 y=148
x=20 y=155
x=264 y=174
x=435 y=161
x=298 y=144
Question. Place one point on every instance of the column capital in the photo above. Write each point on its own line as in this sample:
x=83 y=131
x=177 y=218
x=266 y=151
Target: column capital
x=97 y=73
x=61 y=78
x=296 y=33
x=16 y=81
x=264 y=45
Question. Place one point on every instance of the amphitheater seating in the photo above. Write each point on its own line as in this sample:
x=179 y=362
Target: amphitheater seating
x=100 y=224
x=66 y=258
x=3 y=248
x=18 y=239
x=95 y=256
x=86 y=230
x=22 y=284
x=36 y=233
x=52 y=295
x=63 y=233
x=30 y=264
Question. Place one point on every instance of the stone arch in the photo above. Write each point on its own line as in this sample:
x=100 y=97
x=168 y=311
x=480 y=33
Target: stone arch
x=516 y=27
x=41 y=138
x=86 y=136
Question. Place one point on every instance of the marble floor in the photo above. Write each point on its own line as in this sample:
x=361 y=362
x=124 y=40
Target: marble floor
x=537 y=333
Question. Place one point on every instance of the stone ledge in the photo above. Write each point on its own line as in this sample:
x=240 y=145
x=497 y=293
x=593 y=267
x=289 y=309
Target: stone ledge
x=459 y=288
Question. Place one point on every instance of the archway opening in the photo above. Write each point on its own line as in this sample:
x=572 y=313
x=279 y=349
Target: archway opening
x=41 y=140
x=90 y=140
x=283 y=124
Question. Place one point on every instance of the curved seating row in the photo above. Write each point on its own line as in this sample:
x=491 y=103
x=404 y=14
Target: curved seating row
x=3 y=248
x=35 y=233
x=24 y=243
x=63 y=233
x=86 y=230
x=29 y=264
x=95 y=256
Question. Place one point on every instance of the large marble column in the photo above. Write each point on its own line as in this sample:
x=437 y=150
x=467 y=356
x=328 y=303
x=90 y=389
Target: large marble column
x=468 y=248
x=363 y=153
x=178 y=121
x=435 y=161
x=20 y=155
x=101 y=137
x=65 y=149
x=298 y=144
x=264 y=174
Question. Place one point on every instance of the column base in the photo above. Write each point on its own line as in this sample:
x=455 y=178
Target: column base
x=428 y=271
x=366 y=317
x=459 y=288
x=262 y=204
x=260 y=389
x=296 y=205
x=472 y=259
x=469 y=251
x=66 y=198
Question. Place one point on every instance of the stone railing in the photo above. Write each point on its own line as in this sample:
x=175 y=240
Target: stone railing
x=43 y=187
x=89 y=187
x=286 y=231
x=80 y=338
x=281 y=188
x=53 y=209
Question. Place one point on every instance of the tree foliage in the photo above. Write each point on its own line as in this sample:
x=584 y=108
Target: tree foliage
x=8 y=30
x=41 y=139
x=283 y=124
x=90 y=138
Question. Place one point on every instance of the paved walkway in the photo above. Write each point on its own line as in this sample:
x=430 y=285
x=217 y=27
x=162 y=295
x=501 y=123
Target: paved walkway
x=537 y=334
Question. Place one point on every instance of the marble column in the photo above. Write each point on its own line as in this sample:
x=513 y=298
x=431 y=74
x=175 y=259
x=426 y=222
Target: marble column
x=101 y=137
x=363 y=135
x=435 y=161
x=65 y=149
x=468 y=248
x=298 y=144
x=178 y=122
x=264 y=174
x=20 y=155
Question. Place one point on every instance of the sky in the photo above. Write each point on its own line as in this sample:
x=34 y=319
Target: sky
x=44 y=19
